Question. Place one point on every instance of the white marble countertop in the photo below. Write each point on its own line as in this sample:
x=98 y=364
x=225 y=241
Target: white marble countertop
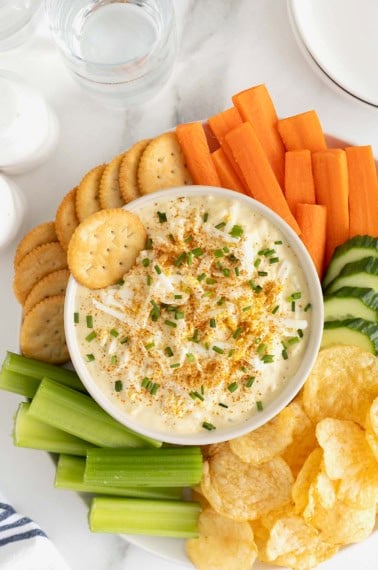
x=225 y=46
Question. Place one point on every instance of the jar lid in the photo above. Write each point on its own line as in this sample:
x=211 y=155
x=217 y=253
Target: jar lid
x=341 y=37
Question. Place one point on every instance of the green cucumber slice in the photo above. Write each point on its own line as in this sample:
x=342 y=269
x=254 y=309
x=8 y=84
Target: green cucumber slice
x=351 y=302
x=362 y=273
x=352 y=250
x=356 y=332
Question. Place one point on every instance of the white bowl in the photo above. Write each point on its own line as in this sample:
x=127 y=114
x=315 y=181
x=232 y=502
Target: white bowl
x=282 y=397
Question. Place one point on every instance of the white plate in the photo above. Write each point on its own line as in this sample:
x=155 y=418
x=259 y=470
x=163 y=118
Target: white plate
x=341 y=36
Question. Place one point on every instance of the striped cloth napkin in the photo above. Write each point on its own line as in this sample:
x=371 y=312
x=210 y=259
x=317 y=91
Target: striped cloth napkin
x=24 y=545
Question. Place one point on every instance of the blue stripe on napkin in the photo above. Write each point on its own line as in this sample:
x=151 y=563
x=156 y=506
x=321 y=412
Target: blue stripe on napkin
x=14 y=530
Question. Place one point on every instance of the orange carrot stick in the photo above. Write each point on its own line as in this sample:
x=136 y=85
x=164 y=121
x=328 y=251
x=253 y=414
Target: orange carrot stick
x=262 y=183
x=302 y=131
x=363 y=191
x=330 y=172
x=227 y=175
x=256 y=106
x=224 y=122
x=312 y=219
x=299 y=182
x=192 y=139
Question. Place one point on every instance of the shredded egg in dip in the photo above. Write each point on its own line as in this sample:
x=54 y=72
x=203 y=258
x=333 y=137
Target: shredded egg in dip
x=206 y=327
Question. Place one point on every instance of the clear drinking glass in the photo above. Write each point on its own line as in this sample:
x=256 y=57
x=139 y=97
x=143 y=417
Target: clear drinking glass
x=121 y=49
x=18 y=19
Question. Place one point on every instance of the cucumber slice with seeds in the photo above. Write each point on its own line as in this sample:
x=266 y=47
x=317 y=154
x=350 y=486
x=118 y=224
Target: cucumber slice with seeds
x=362 y=273
x=356 y=332
x=352 y=250
x=351 y=302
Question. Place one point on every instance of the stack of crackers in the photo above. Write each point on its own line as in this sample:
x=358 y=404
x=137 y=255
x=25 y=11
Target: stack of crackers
x=40 y=263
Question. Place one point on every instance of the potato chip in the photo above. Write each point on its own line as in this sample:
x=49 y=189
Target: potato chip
x=267 y=441
x=223 y=544
x=342 y=384
x=304 y=440
x=243 y=491
x=371 y=437
x=373 y=413
x=304 y=479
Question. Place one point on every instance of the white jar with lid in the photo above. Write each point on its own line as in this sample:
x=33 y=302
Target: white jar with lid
x=11 y=212
x=28 y=127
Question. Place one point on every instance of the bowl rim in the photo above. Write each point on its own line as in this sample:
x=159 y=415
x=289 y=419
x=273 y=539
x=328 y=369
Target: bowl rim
x=283 y=396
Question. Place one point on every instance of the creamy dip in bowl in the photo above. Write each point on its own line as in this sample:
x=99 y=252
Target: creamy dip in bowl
x=212 y=331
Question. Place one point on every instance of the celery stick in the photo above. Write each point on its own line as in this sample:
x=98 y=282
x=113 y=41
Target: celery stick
x=142 y=516
x=76 y=413
x=70 y=475
x=31 y=432
x=165 y=467
x=18 y=383
x=36 y=369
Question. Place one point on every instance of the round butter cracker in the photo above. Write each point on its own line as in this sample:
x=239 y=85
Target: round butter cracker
x=87 y=194
x=66 y=219
x=109 y=193
x=39 y=262
x=105 y=246
x=42 y=332
x=128 y=172
x=162 y=165
x=43 y=233
x=54 y=283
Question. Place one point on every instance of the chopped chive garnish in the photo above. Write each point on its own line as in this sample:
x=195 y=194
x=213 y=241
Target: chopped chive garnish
x=233 y=258
x=201 y=277
x=155 y=312
x=197 y=251
x=190 y=357
x=261 y=349
x=278 y=242
x=149 y=345
x=195 y=395
x=162 y=217
x=218 y=349
x=149 y=280
x=90 y=357
x=230 y=352
x=259 y=405
x=91 y=336
x=226 y=272
x=296 y=295
x=154 y=388
x=76 y=318
x=118 y=385
x=232 y=387
x=145 y=382
x=189 y=239
x=247 y=308
x=274 y=260
x=237 y=333
x=207 y=346
x=202 y=389
x=180 y=259
x=206 y=216
x=275 y=309
x=218 y=253
x=221 y=301
x=256 y=288
x=208 y=426
x=113 y=359
x=120 y=282
x=293 y=340
x=210 y=281
x=250 y=381
x=269 y=252
x=149 y=243
x=114 y=332
x=170 y=323
x=225 y=249
x=213 y=323
x=300 y=333
x=262 y=273
x=172 y=239
x=89 y=320
x=124 y=340
x=237 y=272
x=293 y=306
x=243 y=368
x=257 y=262
x=222 y=405
x=220 y=226
x=168 y=351
x=268 y=358
x=219 y=265
x=307 y=307
x=178 y=296
x=195 y=337
x=146 y=262
x=283 y=343
x=285 y=355
x=189 y=258
x=179 y=315
x=236 y=231
x=157 y=269
x=263 y=251
x=175 y=365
